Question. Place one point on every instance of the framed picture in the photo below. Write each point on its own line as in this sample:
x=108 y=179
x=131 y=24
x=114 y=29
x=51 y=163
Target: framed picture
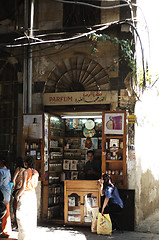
x=33 y=152
x=32 y=126
x=94 y=143
x=114 y=123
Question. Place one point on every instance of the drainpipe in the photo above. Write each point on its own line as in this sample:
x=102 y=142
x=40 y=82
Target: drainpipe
x=25 y=61
x=30 y=60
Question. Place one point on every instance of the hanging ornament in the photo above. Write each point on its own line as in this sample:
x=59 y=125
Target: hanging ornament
x=88 y=133
x=90 y=124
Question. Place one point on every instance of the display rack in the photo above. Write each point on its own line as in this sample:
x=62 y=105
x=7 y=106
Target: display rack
x=114 y=147
x=74 y=158
x=32 y=139
x=55 y=185
x=81 y=197
x=34 y=147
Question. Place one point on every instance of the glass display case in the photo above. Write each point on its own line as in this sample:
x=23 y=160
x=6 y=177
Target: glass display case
x=81 y=135
x=55 y=162
x=81 y=197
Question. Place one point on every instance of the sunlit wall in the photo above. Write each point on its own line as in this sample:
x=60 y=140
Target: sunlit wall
x=147 y=112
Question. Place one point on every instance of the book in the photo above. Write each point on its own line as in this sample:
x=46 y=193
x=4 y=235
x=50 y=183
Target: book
x=66 y=164
x=73 y=165
x=71 y=201
x=114 y=143
x=74 y=175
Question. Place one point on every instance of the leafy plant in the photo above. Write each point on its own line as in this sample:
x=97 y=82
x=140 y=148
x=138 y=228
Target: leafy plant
x=127 y=55
x=149 y=79
x=125 y=46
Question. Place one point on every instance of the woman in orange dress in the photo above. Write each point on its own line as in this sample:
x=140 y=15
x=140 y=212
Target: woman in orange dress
x=26 y=213
x=17 y=184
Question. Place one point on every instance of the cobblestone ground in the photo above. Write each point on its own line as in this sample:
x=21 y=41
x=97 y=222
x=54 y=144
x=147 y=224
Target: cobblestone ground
x=84 y=233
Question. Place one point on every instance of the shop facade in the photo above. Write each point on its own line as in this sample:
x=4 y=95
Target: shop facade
x=59 y=139
x=63 y=61
x=62 y=67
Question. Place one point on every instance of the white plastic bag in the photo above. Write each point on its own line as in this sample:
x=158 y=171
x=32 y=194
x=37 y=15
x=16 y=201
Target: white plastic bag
x=95 y=212
x=104 y=224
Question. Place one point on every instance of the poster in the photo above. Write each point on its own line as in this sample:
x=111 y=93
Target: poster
x=114 y=123
x=32 y=126
x=93 y=145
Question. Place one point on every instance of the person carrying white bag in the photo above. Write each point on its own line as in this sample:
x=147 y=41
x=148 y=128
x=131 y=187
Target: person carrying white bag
x=112 y=201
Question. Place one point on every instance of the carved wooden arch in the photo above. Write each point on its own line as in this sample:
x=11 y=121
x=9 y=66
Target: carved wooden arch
x=77 y=74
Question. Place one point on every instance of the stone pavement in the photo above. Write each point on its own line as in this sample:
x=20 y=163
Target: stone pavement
x=146 y=230
x=150 y=224
x=83 y=233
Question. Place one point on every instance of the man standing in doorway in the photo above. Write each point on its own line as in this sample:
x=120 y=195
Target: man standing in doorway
x=92 y=168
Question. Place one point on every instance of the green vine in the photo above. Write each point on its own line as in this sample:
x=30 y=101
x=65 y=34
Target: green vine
x=150 y=80
x=127 y=54
x=140 y=78
x=125 y=46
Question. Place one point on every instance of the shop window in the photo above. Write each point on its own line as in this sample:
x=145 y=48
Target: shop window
x=81 y=15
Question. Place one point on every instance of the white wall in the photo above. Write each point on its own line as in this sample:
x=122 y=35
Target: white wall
x=147 y=112
x=147 y=158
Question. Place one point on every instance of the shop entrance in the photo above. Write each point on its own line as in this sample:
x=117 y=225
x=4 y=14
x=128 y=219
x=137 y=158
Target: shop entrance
x=70 y=136
x=60 y=143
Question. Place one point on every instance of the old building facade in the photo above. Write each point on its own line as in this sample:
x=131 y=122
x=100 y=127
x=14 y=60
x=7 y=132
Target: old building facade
x=54 y=47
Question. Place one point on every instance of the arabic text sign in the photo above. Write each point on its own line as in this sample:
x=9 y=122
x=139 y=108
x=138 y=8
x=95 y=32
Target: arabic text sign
x=132 y=119
x=75 y=98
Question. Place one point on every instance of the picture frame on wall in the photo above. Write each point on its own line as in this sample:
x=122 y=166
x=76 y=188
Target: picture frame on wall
x=94 y=143
x=32 y=126
x=114 y=123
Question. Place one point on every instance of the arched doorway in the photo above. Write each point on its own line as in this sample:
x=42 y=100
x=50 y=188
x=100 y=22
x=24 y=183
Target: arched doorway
x=77 y=74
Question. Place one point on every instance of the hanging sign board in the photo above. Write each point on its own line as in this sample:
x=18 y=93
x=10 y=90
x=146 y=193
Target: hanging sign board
x=32 y=126
x=132 y=119
x=79 y=98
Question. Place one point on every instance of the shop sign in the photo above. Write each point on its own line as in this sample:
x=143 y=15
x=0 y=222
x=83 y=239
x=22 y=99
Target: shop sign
x=132 y=119
x=76 y=98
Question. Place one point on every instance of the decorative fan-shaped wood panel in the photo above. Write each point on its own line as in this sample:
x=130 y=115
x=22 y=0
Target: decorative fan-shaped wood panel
x=77 y=74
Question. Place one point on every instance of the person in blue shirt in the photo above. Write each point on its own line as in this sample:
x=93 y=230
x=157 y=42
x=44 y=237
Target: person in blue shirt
x=5 y=178
x=112 y=201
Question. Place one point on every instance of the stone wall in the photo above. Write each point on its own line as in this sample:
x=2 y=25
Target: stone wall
x=49 y=15
x=147 y=164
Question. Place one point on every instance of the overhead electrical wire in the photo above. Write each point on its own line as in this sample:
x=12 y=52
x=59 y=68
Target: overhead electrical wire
x=105 y=26
x=95 y=6
x=130 y=4
x=101 y=27
x=39 y=41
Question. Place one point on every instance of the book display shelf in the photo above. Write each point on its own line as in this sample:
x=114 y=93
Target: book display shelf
x=82 y=197
x=114 y=147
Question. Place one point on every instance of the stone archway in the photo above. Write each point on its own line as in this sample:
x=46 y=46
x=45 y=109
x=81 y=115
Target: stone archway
x=77 y=74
